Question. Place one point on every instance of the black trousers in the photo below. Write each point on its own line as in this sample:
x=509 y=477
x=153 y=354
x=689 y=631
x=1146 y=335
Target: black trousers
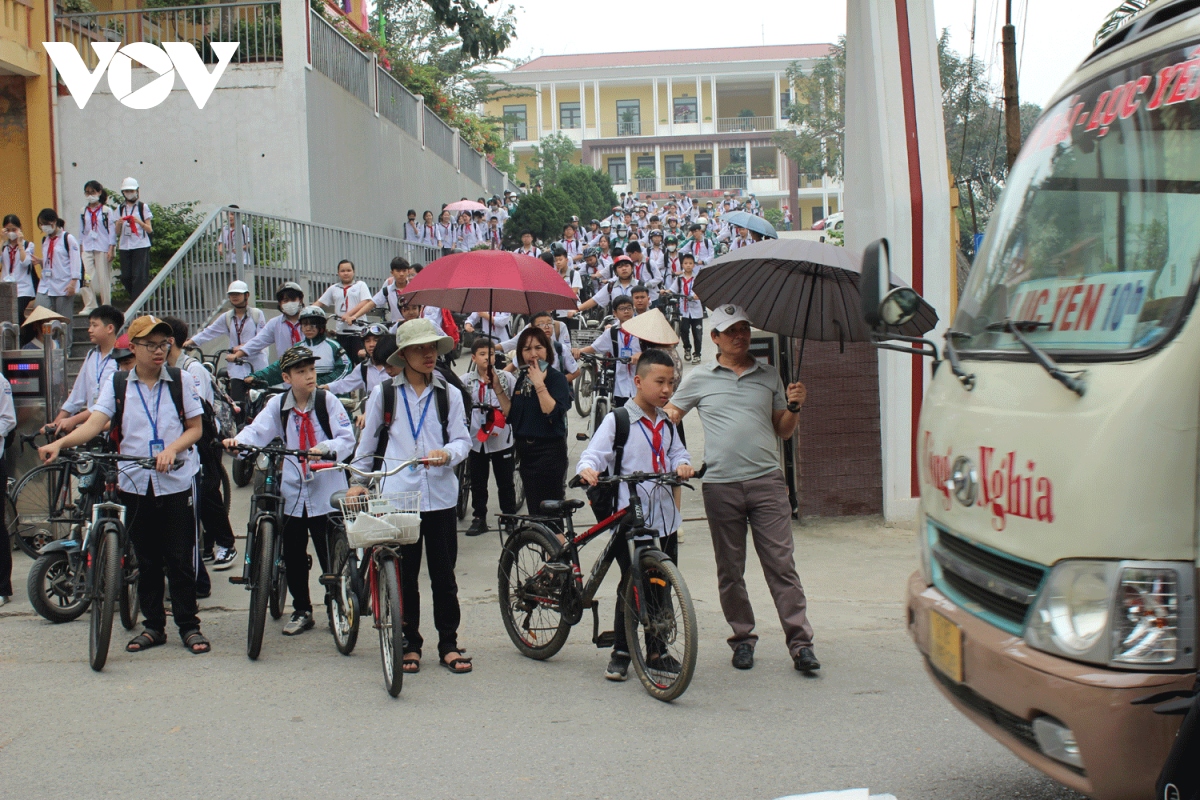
x=439 y=539
x=135 y=270
x=543 y=470
x=213 y=518
x=163 y=531
x=503 y=464
x=6 y=544
x=670 y=546
x=696 y=328
x=296 y=531
x=237 y=391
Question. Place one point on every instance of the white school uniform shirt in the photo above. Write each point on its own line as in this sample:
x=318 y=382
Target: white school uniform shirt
x=129 y=239
x=62 y=262
x=612 y=290
x=8 y=414
x=365 y=376
x=438 y=485
x=97 y=228
x=279 y=331
x=655 y=256
x=443 y=235
x=627 y=345
x=16 y=266
x=229 y=243
x=658 y=501
x=501 y=438
x=239 y=332
x=96 y=371
x=204 y=384
x=414 y=232
x=342 y=299
x=304 y=491
x=702 y=250
x=493 y=237
x=386 y=299
x=671 y=265
x=494 y=328
x=532 y=252
x=138 y=426
x=690 y=306
x=465 y=238
x=434 y=315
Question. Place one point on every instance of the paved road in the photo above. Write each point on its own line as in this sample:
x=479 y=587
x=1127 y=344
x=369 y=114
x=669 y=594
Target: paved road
x=306 y=721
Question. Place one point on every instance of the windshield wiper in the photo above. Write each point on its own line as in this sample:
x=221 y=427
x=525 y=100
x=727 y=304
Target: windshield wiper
x=965 y=378
x=1052 y=369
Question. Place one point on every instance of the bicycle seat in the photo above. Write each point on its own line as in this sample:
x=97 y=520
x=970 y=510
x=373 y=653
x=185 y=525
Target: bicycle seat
x=561 y=506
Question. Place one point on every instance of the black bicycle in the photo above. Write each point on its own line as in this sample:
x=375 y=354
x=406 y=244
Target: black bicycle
x=263 y=571
x=243 y=468
x=603 y=372
x=542 y=593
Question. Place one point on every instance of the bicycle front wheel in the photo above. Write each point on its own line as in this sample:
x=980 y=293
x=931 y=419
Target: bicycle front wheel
x=226 y=489
x=279 y=589
x=664 y=649
x=344 y=612
x=260 y=585
x=106 y=583
x=37 y=499
x=391 y=633
x=464 y=490
x=584 y=384
x=531 y=593
x=128 y=602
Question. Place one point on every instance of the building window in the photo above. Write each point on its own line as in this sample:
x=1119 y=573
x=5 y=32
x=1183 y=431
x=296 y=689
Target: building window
x=568 y=115
x=704 y=164
x=785 y=104
x=672 y=165
x=617 y=170
x=645 y=162
x=686 y=110
x=629 y=118
x=514 y=123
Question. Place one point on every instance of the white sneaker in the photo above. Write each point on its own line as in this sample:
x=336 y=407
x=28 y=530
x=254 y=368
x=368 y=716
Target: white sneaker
x=223 y=558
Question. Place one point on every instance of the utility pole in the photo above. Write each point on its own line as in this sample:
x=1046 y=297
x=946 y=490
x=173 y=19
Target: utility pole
x=1012 y=107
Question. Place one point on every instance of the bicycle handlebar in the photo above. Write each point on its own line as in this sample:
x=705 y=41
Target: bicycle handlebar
x=274 y=450
x=141 y=461
x=374 y=475
x=667 y=478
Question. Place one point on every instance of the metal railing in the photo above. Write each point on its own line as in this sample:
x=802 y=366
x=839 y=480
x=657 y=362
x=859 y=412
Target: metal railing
x=470 y=163
x=647 y=184
x=495 y=180
x=439 y=137
x=192 y=284
x=255 y=26
x=609 y=130
x=398 y=104
x=733 y=182
x=336 y=57
x=689 y=183
x=746 y=124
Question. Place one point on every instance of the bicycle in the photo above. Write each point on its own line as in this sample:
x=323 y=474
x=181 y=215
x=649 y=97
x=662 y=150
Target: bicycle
x=243 y=468
x=542 y=593
x=375 y=525
x=263 y=572
x=670 y=308
x=604 y=368
x=585 y=381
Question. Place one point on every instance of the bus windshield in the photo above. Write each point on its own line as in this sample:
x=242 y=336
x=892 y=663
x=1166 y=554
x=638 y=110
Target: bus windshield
x=1094 y=245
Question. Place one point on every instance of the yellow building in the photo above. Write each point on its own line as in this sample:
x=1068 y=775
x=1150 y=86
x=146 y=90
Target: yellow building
x=668 y=121
x=26 y=112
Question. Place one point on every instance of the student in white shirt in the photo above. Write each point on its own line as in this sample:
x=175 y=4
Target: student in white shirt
x=428 y=421
x=160 y=419
x=98 y=366
x=387 y=298
x=464 y=233
x=621 y=285
x=494 y=236
x=492 y=326
x=527 y=247
x=413 y=232
x=691 y=310
x=294 y=417
x=652 y=445
x=491 y=437
x=368 y=373
x=344 y=297
x=227 y=241
x=699 y=246
x=643 y=272
x=444 y=233
x=8 y=422
x=98 y=244
x=62 y=268
x=615 y=342
x=134 y=228
x=16 y=264
x=240 y=325
x=283 y=331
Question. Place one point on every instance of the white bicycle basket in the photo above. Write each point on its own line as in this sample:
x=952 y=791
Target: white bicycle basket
x=391 y=518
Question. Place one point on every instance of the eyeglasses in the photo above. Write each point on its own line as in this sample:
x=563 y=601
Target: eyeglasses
x=155 y=347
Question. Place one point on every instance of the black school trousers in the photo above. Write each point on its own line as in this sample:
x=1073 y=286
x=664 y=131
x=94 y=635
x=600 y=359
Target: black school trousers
x=439 y=540
x=296 y=531
x=213 y=518
x=163 y=532
x=503 y=463
x=670 y=546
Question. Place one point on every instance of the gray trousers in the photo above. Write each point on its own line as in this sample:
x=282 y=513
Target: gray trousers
x=64 y=305
x=763 y=502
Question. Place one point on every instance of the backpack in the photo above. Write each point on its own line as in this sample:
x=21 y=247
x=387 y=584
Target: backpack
x=440 y=395
x=121 y=384
x=219 y=416
x=450 y=327
x=604 y=498
x=320 y=407
x=256 y=314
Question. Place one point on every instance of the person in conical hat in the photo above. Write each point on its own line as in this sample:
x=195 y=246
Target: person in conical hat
x=34 y=320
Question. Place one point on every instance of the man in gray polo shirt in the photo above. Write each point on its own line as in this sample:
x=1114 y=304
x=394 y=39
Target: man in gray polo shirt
x=744 y=407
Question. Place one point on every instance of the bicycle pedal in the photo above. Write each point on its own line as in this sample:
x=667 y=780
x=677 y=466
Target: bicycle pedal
x=605 y=640
x=237 y=580
x=329 y=581
x=582 y=437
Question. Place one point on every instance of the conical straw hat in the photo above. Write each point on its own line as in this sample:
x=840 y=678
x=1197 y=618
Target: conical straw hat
x=652 y=327
x=42 y=314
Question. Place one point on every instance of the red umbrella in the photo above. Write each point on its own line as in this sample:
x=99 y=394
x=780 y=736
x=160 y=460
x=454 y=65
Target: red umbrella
x=491 y=280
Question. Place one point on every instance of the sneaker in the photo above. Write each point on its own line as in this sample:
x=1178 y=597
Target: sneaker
x=618 y=667
x=478 y=527
x=224 y=558
x=664 y=663
x=300 y=622
x=679 y=535
x=687 y=356
x=207 y=556
x=696 y=358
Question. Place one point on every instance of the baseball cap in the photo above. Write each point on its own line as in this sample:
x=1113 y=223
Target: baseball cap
x=142 y=327
x=726 y=315
x=295 y=356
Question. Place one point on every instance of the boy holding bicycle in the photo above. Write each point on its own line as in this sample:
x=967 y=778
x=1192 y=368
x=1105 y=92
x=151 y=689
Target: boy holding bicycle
x=651 y=445
x=325 y=432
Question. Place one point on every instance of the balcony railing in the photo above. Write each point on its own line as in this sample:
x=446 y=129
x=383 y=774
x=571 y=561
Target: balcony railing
x=336 y=57
x=733 y=182
x=689 y=183
x=610 y=130
x=745 y=124
x=255 y=26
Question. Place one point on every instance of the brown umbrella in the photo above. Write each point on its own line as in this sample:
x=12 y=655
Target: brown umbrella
x=799 y=288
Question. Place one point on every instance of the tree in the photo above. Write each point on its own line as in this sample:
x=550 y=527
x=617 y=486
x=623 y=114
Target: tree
x=590 y=189
x=535 y=214
x=551 y=156
x=481 y=35
x=818 y=116
x=564 y=207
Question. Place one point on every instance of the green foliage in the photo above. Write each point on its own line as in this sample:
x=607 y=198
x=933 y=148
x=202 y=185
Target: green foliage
x=564 y=207
x=643 y=172
x=734 y=169
x=77 y=6
x=686 y=170
x=817 y=140
x=502 y=160
x=551 y=155
x=775 y=217
x=173 y=224
x=480 y=35
x=590 y=189
x=536 y=214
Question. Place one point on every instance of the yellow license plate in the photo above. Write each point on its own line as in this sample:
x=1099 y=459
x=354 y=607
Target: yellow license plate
x=945 y=646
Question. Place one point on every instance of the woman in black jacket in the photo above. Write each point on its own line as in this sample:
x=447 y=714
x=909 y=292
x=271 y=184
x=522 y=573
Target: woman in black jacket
x=537 y=412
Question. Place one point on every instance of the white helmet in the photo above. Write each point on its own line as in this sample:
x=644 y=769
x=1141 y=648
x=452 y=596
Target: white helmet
x=238 y=287
x=129 y=185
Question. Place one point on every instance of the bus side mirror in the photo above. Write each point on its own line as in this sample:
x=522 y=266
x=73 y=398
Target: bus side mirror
x=883 y=305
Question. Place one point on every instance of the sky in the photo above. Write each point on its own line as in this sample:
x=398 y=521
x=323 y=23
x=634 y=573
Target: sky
x=1059 y=32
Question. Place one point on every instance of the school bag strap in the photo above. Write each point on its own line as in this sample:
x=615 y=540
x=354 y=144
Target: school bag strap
x=319 y=405
x=389 y=392
x=120 y=381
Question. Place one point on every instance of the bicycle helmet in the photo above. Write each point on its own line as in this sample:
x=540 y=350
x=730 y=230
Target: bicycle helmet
x=670 y=239
x=591 y=252
x=313 y=313
x=238 y=287
x=290 y=286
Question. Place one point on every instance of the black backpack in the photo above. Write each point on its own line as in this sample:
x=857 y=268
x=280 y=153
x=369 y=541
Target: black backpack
x=441 y=397
x=319 y=404
x=604 y=498
x=121 y=384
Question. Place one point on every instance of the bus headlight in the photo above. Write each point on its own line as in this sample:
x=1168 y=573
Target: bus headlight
x=1117 y=613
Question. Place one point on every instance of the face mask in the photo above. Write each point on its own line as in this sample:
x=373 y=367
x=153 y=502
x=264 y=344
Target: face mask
x=12 y=235
x=671 y=247
x=131 y=196
x=47 y=229
x=93 y=199
x=291 y=308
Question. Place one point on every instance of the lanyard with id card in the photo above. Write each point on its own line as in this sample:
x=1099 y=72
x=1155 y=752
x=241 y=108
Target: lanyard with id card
x=156 y=444
x=416 y=429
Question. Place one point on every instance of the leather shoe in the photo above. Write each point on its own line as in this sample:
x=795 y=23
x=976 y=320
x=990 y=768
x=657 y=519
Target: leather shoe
x=806 y=660
x=478 y=527
x=743 y=656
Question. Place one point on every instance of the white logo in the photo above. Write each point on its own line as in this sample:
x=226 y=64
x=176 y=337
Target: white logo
x=172 y=57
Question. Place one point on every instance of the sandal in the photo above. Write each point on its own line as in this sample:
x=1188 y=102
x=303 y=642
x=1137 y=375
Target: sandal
x=452 y=664
x=196 y=639
x=411 y=666
x=145 y=640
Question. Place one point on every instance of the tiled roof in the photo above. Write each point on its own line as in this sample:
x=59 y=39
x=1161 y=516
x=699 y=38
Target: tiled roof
x=650 y=58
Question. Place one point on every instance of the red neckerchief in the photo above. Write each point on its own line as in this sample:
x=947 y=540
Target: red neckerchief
x=627 y=338
x=306 y=435
x=492 y=420
x=95 y=214
x=657 y=457
x=430 y=229
x=50 y=252
x=295 y=329
x=133 y=228
x=687 y=286
x=12 y=257
x=346 y=298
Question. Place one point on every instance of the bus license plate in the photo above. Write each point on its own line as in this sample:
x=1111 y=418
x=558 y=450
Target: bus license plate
x=945 y=646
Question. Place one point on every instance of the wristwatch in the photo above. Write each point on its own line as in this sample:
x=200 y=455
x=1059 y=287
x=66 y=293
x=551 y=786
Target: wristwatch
x=794 y=407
